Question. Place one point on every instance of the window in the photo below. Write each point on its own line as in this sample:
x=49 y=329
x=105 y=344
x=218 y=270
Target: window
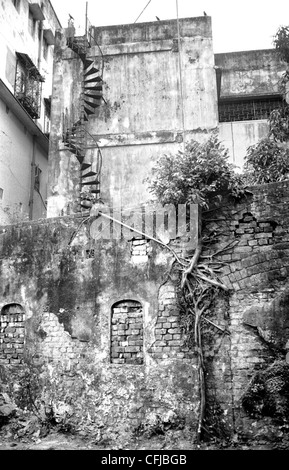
x=248 y=109
x=37 y=175
x=47 y=105
x=45 y=48
x=28 y=85
x=31 y=24
x=16 y=3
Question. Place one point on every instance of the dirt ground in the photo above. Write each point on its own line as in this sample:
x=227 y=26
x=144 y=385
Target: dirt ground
x=58 y=441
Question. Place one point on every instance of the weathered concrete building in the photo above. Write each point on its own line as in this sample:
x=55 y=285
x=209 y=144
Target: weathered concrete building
x=161 y=85
x=94 y=325
x=27 y=31
x=248 y=90
x=156 y=90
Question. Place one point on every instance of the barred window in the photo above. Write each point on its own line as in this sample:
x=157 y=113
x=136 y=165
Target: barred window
x=28 y=85
x=248 y=109
x=31 y=24
x=47 y=112
x=45 y=48
x=37 y=175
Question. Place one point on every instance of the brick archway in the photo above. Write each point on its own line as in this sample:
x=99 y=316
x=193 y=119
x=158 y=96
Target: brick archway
x=12 y=334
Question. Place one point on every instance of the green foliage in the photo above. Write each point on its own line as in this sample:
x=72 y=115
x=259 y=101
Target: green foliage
x=266 y=162
x=198 y=175
x=281 y=42
x=279 y=124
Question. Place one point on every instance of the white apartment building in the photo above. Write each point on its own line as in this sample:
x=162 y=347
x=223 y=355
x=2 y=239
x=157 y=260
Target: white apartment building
x=27 y=36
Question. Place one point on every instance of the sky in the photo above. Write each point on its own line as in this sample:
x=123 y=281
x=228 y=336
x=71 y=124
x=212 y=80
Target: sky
x=236 y=25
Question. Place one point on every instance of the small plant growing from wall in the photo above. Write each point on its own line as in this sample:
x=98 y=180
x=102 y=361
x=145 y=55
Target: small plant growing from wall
x=201 y=175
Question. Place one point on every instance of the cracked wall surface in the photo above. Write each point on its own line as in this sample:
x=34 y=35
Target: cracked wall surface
x=141 y=116
x=72 y=287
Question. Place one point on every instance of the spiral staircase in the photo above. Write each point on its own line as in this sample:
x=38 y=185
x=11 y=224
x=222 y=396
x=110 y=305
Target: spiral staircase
x=76 y=136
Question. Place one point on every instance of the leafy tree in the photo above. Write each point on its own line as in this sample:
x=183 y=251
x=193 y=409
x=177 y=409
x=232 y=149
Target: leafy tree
x=281 y=43
x=279 y=124
x=200 y=175
x=267 y=162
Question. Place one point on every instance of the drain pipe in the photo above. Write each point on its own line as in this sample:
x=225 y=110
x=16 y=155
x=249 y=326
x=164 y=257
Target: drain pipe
x=39 y=60
x=32 y=181
x=181 y=78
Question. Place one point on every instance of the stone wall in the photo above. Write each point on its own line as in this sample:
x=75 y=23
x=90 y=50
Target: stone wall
x=255 y=236
x=127 y=333
x=92 y=319
x=104 y=327
x=12 y=334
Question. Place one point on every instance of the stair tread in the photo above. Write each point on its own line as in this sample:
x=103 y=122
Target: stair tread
x=93 y=87
x=72 y=148
x=88 y=183
x=91 y=70
x=92 y=94
x=80 y=158
x=89 y=174
x=89 y=109
x=92 y=104
x=89 y=67
x=91 y=77
x=85 y=166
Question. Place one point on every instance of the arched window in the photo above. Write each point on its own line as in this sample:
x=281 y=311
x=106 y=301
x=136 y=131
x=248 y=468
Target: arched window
x=127 y=333
x=12 y=334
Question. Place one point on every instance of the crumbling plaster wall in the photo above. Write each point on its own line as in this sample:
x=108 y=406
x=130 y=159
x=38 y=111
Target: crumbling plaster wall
x=67 y=292
x=68 y=286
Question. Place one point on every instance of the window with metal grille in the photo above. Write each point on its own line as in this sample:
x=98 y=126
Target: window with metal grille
x=47 y=112
x=45 y=48
x=37 y=175
x=31 y=24
x=248 y=109
x=28 y=85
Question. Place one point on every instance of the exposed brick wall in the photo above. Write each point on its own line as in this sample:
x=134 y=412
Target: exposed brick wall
x=12 y=334
x=127 y=333
x=169 y=337
x=140 y=250
x=56 y=343
x=255 y=235
x=255 y=267
x=252 y=233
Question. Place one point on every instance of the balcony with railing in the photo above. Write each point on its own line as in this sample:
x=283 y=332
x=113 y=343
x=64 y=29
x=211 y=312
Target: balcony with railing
x=28 y=85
